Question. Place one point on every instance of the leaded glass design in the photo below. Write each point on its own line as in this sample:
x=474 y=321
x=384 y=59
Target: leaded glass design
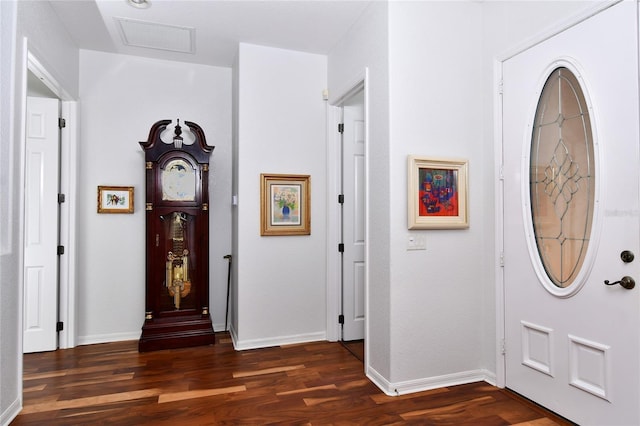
x=562 y=177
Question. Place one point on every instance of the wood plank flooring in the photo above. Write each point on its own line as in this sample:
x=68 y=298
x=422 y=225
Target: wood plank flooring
x=356 y=347
x=308 y=384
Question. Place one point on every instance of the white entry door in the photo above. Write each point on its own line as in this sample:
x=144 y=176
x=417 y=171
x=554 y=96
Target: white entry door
x=353 y=217
x=572 y=343
x=41 y=226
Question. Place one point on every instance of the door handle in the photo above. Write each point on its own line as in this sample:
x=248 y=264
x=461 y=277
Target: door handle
x=626 y=282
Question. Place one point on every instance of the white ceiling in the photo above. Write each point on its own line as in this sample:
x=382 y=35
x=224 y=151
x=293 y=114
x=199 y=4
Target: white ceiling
x=211 y=28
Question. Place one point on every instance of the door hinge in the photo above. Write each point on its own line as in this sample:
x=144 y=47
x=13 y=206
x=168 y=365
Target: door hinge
x=341 y=319
x=500 y=87
x=503 y=347
x=502 y=259
x=341 y=198
x=59 y=326
x=60 y=250
x=341 y=248
x=501 y=172
x=341 y=128
x=62 y=123
x=61 y=198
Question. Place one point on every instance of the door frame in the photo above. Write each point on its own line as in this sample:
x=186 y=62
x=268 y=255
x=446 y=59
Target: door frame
x=348 y=213
x=68 y=165
x=334 y=159
x=501 y=379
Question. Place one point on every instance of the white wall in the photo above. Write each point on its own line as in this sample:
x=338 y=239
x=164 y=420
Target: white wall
x=435 y=110
x=233 y=287
x=366 y=47
x=281 y=129
x=52 y=46
x=121 y=98
x=10 y=242
x=50 y=43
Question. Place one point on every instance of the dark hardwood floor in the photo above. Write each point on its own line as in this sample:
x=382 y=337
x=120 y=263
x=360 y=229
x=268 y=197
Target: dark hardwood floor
x=307 y=384
x=356 y=347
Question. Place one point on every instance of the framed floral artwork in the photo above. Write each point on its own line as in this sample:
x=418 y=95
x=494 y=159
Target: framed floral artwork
x=115 y=199
x=285 y=204
x=437 y=193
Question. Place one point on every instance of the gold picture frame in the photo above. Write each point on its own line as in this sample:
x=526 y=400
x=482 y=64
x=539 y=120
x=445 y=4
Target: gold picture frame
x=115 y=199
x=437 y=193
x=285 y=204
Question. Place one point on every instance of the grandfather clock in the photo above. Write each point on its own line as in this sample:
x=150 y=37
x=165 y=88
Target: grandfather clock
x=177 y=239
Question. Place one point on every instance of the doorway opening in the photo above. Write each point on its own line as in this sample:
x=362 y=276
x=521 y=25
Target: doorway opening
x=41 y=220
x=352 y=218
x=62 y=169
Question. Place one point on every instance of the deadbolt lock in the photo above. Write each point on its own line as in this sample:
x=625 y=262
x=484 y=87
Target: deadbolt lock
x=627 y=256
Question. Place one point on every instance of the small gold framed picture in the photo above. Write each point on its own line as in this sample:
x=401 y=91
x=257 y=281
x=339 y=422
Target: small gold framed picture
x=115 y=199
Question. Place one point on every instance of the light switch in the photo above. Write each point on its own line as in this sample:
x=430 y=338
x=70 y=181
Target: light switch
x=416 y=242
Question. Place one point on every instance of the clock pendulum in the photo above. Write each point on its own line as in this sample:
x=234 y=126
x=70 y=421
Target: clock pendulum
x=177 y=279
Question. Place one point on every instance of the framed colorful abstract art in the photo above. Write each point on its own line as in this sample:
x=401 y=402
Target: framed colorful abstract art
x=437 y=193
x=285 y=204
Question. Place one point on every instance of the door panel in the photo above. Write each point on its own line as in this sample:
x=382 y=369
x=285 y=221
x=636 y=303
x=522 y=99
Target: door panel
x=41 y=226
x=576 y=350
x=353 y=226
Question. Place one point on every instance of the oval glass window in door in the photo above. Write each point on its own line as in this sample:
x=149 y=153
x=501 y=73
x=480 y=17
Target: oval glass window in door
x=562 y=177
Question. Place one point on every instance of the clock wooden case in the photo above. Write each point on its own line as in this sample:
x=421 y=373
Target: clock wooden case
x=177 y=240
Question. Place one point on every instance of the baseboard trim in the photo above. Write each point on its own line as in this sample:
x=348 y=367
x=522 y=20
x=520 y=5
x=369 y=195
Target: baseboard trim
x=11 y=412
x=107 y=338
x=428 y=383
x=241 y=345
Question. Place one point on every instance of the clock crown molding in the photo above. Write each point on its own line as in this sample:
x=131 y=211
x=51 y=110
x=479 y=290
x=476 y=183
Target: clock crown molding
x=154 y=147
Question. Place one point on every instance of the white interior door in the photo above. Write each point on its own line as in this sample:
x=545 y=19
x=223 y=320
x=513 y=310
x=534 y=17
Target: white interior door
x=41 y=225
x=353 y=217
x=575 y=350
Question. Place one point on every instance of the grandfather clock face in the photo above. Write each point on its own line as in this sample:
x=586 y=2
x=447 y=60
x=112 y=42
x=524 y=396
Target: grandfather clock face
x=178 y=180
